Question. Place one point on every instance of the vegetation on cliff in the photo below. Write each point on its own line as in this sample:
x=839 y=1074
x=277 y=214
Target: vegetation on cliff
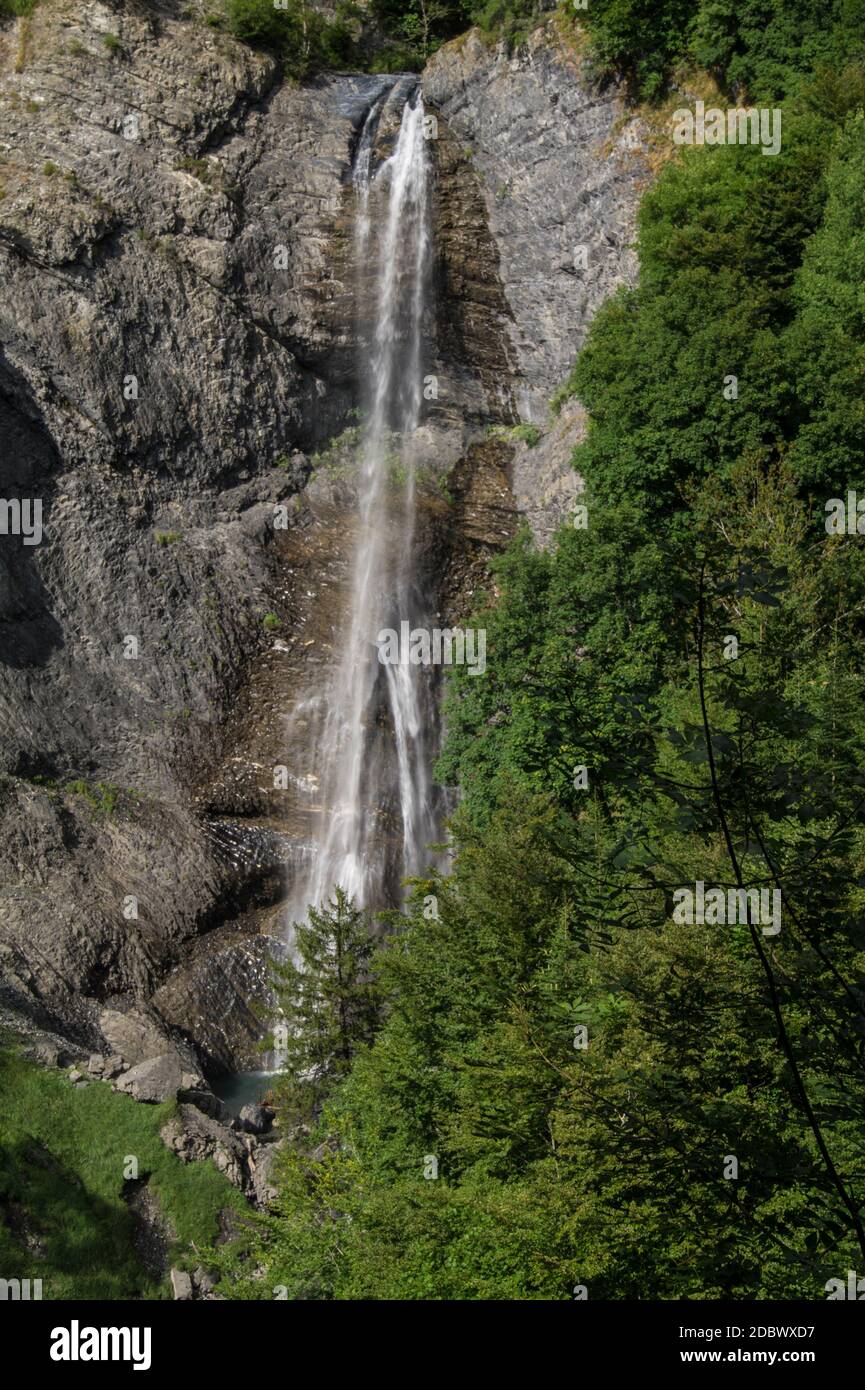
x=601 y=1067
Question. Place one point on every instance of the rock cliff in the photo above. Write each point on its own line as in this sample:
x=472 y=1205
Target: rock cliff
x=176 y=343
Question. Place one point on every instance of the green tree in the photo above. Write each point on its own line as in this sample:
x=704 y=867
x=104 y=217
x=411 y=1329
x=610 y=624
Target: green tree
x=329 y=1003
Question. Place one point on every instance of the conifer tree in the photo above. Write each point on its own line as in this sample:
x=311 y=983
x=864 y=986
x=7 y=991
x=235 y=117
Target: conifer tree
x=329 y=1004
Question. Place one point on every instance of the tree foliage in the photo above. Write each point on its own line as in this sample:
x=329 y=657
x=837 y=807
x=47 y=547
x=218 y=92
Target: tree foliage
x=572 y=1085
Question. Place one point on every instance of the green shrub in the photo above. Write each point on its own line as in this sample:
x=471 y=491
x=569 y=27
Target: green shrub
x=102 y=797
x=9 y=9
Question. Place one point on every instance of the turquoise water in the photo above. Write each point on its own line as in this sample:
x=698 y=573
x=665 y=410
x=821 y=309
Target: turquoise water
x=243 y=1088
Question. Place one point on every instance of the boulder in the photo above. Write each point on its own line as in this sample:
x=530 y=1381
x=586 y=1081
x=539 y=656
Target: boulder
x=181 y=1284
x=135 y=1035
x=264 y=1174
x=205 y=1101
x=254 y=1119
x=153 y=1081
x=194 y=1136
x=47 y=1055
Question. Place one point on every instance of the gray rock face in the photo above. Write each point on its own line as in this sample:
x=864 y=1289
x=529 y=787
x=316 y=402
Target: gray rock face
x=177 y=338
x=545 y=486
x=181 y=1285
x=170 y=327
x=560 y=168
x=194 y=1136
x=264 y=1175
x=135 y=1035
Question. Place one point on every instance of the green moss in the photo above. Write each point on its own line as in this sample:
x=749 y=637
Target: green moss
x=10 y=9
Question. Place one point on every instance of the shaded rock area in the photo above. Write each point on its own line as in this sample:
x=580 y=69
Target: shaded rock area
x=152 y=1234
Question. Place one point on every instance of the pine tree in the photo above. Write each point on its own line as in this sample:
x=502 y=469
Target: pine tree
x=329 y=1004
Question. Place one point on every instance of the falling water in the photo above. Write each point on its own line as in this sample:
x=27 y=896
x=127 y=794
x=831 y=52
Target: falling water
x=376 y=812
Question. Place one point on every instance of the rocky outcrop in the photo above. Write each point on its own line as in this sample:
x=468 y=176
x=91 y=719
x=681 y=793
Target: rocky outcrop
x=560 y=166
x=544 y=485
x=542 y=174
x=194 y=1136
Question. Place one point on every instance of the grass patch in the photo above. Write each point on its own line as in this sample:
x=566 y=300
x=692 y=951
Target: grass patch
x=516 y=434
x=202 y=169
x=11 y=9
x=100 y=796
x=63 y=1218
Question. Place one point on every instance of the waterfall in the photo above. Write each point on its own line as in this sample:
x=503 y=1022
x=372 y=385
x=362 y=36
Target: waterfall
x=371 y=755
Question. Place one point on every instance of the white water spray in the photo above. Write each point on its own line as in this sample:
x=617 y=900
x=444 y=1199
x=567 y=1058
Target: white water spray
x=372 y=753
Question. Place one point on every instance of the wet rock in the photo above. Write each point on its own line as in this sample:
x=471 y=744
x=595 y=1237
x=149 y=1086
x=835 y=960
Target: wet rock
x=144 y=197
x=205 y=1101
x=214 y=992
